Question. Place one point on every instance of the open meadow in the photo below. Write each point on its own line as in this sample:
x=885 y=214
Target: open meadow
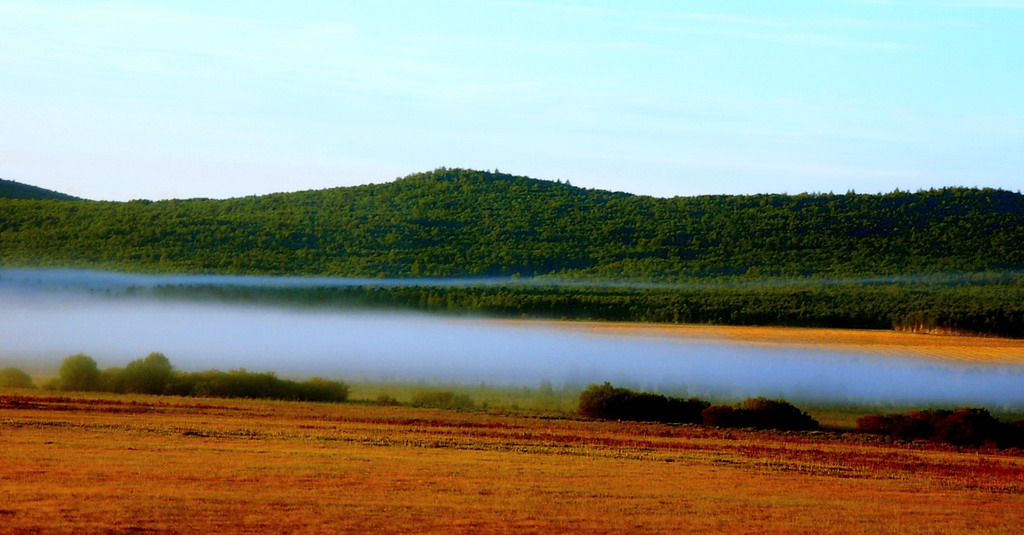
x=101 y=463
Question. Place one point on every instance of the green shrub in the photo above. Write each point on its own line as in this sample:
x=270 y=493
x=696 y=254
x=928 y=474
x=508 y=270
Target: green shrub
x=242 y=383
x=155 y=375
x=15 y=378
x=112 y=380
x=79 y=372
x=238 y=383
x=317 y=389
x=442 y=399
x=386 y=400
x=150 y=375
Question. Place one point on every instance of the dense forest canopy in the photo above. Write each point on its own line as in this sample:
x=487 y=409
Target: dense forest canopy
x=462 y=223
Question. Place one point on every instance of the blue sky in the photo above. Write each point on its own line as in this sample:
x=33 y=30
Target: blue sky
x=125 y=100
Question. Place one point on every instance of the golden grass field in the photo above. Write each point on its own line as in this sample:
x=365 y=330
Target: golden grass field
x=96 y=463
x=973 y=349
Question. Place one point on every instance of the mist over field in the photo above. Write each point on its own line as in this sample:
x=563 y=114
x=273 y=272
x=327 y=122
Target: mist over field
x=44 y=320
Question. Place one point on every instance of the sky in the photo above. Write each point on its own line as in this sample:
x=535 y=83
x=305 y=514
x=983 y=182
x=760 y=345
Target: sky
x=179 y=99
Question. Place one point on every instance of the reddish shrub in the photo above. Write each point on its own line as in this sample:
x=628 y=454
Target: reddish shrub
x=720 y=416
x=612 y=403
x=970 y=427
x=962 y=427
x=760 y=413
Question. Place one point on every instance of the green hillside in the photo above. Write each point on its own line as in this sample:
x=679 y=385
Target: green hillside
x=453 y=222
x=10 y=189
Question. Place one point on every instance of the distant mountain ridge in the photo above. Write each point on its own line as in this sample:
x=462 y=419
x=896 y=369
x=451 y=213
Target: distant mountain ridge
x=10 y=189
x=457 y=222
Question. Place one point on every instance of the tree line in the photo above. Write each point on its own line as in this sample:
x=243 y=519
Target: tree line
x=967 y=426
x=459 y=223
x=979 y=304
x=154 y=374
x=609 y=402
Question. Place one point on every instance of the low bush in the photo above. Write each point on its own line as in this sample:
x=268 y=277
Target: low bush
x=147 y=376
x=319 y=389
x=386 y=400
x=961 y=427
x=760 y=413
x=441 y=399
x=1016 y=434
x=720 y=416
x=242 y=383
x=612 y=403
x=15 y=378
x=155 y=375
x=79 y=372
x=150 y=375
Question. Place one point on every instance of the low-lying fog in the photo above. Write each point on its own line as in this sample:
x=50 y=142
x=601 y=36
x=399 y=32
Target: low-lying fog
x=43 y=327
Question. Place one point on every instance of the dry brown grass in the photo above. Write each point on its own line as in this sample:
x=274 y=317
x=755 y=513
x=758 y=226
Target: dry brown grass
x=107 y=464
x=974 y=349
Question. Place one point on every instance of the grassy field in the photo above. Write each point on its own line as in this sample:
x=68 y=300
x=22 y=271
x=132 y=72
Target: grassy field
x=93 y=463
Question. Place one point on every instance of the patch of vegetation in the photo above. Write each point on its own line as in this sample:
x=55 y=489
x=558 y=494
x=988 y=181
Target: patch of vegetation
x=151 y=375
x=980 y=303
x=155 y=375
x=611 y=403
x=15 y=378
x=78 y=373
x=961 y=427
x=442 y=399
x=10 y=189
x=461 y=223
x=760 y=413
x=464 y=223
x=970 y=427
x=387 y=400
x=545 y=399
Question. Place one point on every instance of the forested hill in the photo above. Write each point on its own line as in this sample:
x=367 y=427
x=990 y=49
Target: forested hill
x=452 y=222
x=10 y=189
